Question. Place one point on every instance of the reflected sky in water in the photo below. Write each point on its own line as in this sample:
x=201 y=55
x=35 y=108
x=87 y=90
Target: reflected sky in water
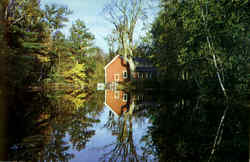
x=95 y=147
x=152 y=127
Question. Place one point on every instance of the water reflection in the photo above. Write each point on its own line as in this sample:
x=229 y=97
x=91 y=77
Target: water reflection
x=117 y=101
x=43 y=126
x=182 y=128
x=123 y=106
x=136 y=126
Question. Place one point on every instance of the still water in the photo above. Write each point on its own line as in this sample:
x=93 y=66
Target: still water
x=124 y=126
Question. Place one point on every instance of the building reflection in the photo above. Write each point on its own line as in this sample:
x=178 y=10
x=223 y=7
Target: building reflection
x=123 y=109
x=117 y=101
x=121 y=103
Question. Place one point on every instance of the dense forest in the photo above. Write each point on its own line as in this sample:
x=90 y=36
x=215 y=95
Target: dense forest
x=201 y=46
x=205 y=42
x=36 y=57
x=36 y=52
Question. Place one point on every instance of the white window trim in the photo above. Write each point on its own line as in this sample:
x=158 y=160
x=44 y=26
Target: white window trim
x=125 y=97
x=126 y=74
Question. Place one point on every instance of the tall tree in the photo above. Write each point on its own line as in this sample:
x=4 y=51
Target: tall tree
x=81 y=40
x=124 y=15
x=208 y=45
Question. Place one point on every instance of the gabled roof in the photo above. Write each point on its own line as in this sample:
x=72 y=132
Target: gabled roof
x=111 y=61
x=142 y=64
x=111 y=109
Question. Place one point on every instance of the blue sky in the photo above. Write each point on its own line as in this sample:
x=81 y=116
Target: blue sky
x=90 y=11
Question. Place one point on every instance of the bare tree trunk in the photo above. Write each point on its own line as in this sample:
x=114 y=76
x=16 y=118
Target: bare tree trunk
x=219 y=132
x=124 y=15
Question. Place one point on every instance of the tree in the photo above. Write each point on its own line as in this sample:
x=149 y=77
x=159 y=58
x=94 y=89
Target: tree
x=182 y=130
x=124 y=15
x=56 y=16
x=113 y=45
x=36 y=53
x=123 y=149
x=28 y=37
x=81 y=40
x=207 y=41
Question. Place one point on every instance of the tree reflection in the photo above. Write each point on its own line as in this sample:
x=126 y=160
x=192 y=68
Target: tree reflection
x=183 y=129
x=123 y=149
x=79 y=129
x=44 y=127
x=55 y=148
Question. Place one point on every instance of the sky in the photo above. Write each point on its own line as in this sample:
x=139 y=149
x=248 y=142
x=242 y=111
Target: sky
x=90 y=11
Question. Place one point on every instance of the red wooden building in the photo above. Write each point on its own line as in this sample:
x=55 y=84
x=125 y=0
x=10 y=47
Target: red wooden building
x=118 y=70
x=117 y=101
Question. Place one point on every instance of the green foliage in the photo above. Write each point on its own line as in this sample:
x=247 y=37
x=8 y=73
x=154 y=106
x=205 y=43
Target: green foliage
x=80 y=39
x=37 y=56
x=28 y=37
x=188 y=38
x=77 y=64
x=181 y=51
x=56 y=16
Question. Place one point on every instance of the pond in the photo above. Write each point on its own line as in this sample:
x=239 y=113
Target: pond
x=125 y=126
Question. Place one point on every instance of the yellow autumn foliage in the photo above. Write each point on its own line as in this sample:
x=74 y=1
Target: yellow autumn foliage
x=43 y=58
x=77 y=101
x=76 y=75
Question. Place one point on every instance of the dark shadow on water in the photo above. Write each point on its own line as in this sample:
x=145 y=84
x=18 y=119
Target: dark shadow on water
x=175 y=127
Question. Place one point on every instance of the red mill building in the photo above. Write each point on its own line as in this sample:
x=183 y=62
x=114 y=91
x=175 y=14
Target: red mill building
x=118 y=70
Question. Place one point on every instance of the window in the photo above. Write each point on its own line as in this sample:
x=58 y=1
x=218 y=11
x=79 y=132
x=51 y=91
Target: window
x=117 y=94
x=140 y=97
x=150 y=75
x=142 y=75
x=125 y=97
x=125 y=74
x=116 y=77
